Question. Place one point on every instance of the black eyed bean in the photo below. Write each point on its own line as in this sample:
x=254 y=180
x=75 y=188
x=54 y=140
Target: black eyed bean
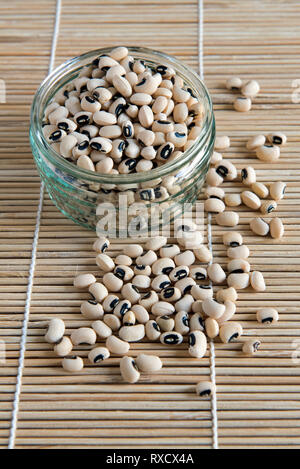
x=160 y=282
x=205 y=389
x=216 y=273
x=179 y=273
x=149 y=299
x=152 y=330
x=251 y=200
x=119 y=53
x=197 y=322
x=156 y=243
x=141 y=314
x=257 y=281
x=116 y=345
x=197 y=344
x=239 y=281
x=268 y=207
x=226 y=170
x=238 y=266
x=105 y=262
x=180 y=112
x=185 y=285
x=102 y=330
x=277 y=190
x=142 y=270
x=171 y=338
x=228 y=219
x=230 y=331
x=198 y=273
x=112 y=321
x=148 y=363
x=260 y=190
x=203 y=254
x=251 y=346
x=165 y=151
x=101 y=144
x=110 y=303
x=276 y=228
x=112 y=283
x=67 y=125
x=129 y=370
x=72 y=363
x=124 y=272
x=84 y=336
x=233 y=239
x=162 y=308
x=185 y=303
x=133 y=250
x=214 y=193
x=132 y=333
x=98 y=354
x=211 y=328
x=239 y=252
x=212 y=308
x=147 y=138
x=268 y=153
x=91 y=309
x=227 y=294
x=267 y=315
x=186 y=258
x=213 y=178
x=213 y=205
x=59 y=113
x=163 y=266
x=242 y=104
x=63 y=347
x=259 y=226
x=234 y=84
x=230 y=309
x=122 y=259
x=166 y=323
x=141 y=99
x=131 y=293
x=277 y=138
x=99 y=291
x=216 y=158
x=121 y=308
x=170 y=293
x=129 y=319
x=251 y=89
x=127 y=166
x=255 y=142
x=248 y=176
x=142 y=282
x=169 y=251
x=233 y=200
x=101 y=245
x=56 y=330
x=147 y=258
x=202 y=292
x=182 y=323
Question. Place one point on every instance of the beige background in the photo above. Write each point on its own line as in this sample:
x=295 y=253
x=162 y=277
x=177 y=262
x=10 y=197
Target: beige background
x=258 y=399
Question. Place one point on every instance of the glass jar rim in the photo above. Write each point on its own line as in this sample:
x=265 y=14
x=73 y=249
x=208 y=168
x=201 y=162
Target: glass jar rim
x=56 y=76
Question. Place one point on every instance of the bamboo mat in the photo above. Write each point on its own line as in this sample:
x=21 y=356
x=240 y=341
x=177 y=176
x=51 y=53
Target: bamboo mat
x=258 y=398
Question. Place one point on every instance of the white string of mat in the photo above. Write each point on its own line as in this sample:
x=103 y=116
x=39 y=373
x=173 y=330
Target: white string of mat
x=16 y=402
x=210 y=246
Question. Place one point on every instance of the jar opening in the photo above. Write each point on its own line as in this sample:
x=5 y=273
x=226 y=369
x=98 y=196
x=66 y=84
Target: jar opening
x=70 y=69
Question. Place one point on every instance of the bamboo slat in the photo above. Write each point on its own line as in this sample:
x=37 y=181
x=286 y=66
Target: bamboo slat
x=258 y=398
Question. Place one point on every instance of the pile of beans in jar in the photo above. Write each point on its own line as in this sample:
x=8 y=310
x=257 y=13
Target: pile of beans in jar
x=121 y=116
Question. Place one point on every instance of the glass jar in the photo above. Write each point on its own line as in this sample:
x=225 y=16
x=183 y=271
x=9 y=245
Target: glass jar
x=93 y=199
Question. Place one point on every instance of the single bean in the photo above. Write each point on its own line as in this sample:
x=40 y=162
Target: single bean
x=72 y=363
x=63 y=347
x=83 y=336
x=230 y=331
